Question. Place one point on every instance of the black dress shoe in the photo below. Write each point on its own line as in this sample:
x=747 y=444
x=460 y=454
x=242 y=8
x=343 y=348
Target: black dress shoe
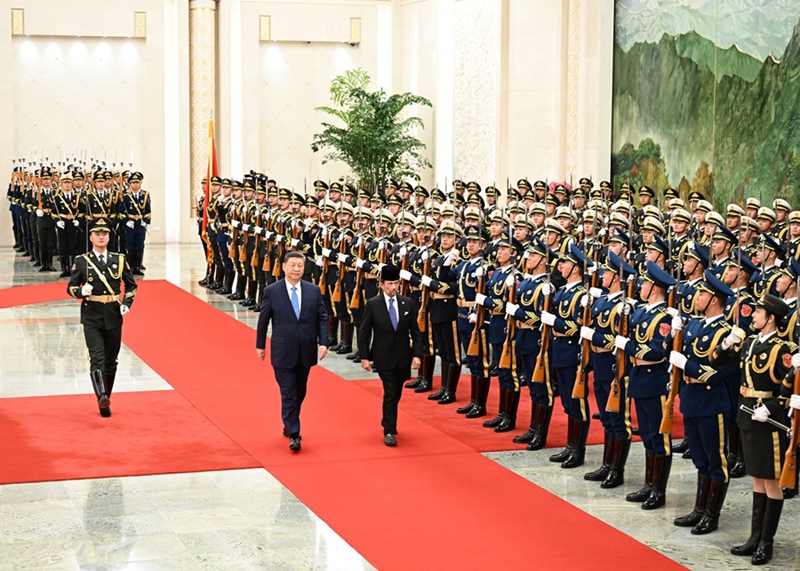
x=423 y=387
x=389 y=440
x=596 y=416
x=294 y=444
x=413 y=384
x=680 y=447
x=203 y=282
x=286 y=434
x=344 y=350
x=687 y=455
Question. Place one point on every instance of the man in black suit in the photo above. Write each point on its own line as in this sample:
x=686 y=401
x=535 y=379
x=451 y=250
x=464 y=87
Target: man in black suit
x=390 y=335
x=299 y=337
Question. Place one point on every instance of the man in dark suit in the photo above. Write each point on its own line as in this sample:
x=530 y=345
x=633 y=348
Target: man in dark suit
x=390 y=335
x=299 y=337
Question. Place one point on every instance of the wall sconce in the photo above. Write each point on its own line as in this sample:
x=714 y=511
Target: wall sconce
x=355 y=31
x=139 y=24
x=17 y=22
x=264 y=29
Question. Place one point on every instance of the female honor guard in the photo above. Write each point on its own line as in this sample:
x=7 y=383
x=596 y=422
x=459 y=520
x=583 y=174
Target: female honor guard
x=103 y=281
x=766 y=362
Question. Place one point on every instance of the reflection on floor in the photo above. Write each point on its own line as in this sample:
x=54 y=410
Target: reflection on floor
x=245 y=519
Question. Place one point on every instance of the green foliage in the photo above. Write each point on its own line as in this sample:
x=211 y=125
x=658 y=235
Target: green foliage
x=640 y=166
x=373 y=138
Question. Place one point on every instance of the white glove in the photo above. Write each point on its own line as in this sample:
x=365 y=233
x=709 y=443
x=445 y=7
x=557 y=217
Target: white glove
x=76 y=223
x=620 y=342
x=587 y=333
x=511 y=280
x=326 y=252
x=452 y=256
x=294 y=242
x=511 y=309
x=235 y=223
x=778 y=263
x=584 y=300
x=796 y=360
x=246 y=227
x=794 y=402
x=595 y=292
x=732 y=339
x=480 y=299
x=760 y=414
x=547 y=290
x=673 y=312
x=479 y=271
x=359 y=241
x=591 y=270
x=268 y=234
x=342 y=258
x=129 y=224
x=424 y=255
x=258 y=230
x=61 y=224
x=548 y=318
x=473 y=318
x=86 y=290
x=144 y=224
x=426 y=281
x=39 y=212
x=623 y=307
x=381 y=266
x=360 y=263
x=677 y=324
x=402 y=252
x=319 y=262
x=677 y=359
x=405 y=275
x=280 y=238
x=123 y=309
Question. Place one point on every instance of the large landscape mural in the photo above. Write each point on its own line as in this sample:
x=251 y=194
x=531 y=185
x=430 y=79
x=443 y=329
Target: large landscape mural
x=707 y=97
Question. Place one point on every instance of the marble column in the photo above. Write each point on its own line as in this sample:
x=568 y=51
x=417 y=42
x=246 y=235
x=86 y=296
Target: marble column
x=202 y=84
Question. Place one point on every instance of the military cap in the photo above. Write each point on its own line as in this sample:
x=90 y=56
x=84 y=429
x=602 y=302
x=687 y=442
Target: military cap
x=514 y=207
x=285 y=193
x=66 y=177
x=654 y=225
x=537 y=208
x=681 y=215
x=653 y=211
x=248 y=187
x=659 y=244
x=135 y=177
x=677 y=203
x=408 y=218
x=226 y=183
x=715 y=218
x=593 y=216
x=312 y=202
x=748 y=223
x=619 y=219
x=448 y=209
x=491 y=191
x=794 y=217
x=713 y=285
x=236 y=185
x=327 y=204
x=449 y=227
x=259 y=189
x=438 y=194
x=670 y=192
x=343 y=207
x=580 y=192
x=745 y=264
x=524 y=184
x=458 y=183
x=605 y=185
x=474 y=232
x=597 y=204
x=521 y=222
x=696 y=251
x=564 y=212
x=215 y=180
x=538 y=185
x=320 y=184
x=695 y=196
x=473 y=186
x=774 y=305
x=384 y=215
x=376 y=198
x=560 y=188
x=550 y=225
x=297 y=198
x=505 y=240
x=585 y=182
x=658 y=276
x=406 y=187
x=475 y=198
x=536 y=246
x=108 y=176
x=394 y=199
x=529 y=195
x=498 y=216
x=363 y=212
x=336 y=187
x=391 y=183
x=428 y=223
x=766 y=214
x=752 y=202
x=459 y=199
x=272 y=191
x=364 y=193
x=767 y=242
x=621 y=205
x=349 y=190
x=421 y=191
x=617 y=265
x=472 y=213
x=734 y=211
x=620 y=236
x=646 y=191
x=624 y=187
x=781 y=204
x=99 y=224
x=575 y=255
x=722 y=233
x=78 y=175
x=596 y=195
x=704 y=206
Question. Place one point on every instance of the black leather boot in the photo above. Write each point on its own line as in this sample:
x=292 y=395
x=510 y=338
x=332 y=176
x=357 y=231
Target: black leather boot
x=616 y=476
x=227 y=283
x=662 y=465
x=543 y=416
x=716 y=497
x=644 y=493
x=445 y=370
x=501 y=412
x=241 y=284
x=250 y=300
x=700 y=501
x=355 y=356
x=479 y=409
x=346 y=346
x=65 y=266
x=44 y=255
x=425 y=371
x=109 y=378
x=333 y=333
x=756 y=523
x=138 y=270
x=473 y=396
x=600 y=474
x=509 y=423
x=101 y=392
x=565 y=453
x=736 y=467
x=772 y=516
x=526 y=437
x=453 y=376
x=579 y=445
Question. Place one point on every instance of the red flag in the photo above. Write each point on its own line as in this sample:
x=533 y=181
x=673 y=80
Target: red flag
x=211 y=171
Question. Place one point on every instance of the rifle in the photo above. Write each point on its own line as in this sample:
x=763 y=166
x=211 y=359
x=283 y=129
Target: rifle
x=267 y=265
x=539 y=371
x=789 y=472
x=404 y=285
x=675 y=372
x=337 y=291
x=579 y=389
x=613 y=403
x=257 y=238
x=511 y=323
x=355 y=303
x=326 y=242
x=474 y=348
x=234 y=232
x=276 y=267
x=422 y=315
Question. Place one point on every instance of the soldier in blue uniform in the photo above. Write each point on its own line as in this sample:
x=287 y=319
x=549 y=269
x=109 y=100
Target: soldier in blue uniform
x=135 y=209
x=607 y=311
x=695 y=263
x=497 y=287
x=566 y=348
x=705 y=401
x=722 y=241
x=646 y=347
x=768 y=253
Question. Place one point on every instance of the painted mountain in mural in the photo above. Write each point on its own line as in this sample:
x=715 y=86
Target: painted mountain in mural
x=743 y=124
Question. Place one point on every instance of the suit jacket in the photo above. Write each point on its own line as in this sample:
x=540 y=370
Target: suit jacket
x=88 y=270
x=293 y=340
x=388 y=348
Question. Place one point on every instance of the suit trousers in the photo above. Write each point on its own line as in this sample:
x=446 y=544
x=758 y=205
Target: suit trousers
x=392 y=380
x=103 y=346
x=293 y=383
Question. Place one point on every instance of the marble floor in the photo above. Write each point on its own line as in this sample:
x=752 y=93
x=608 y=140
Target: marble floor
x=245 y=519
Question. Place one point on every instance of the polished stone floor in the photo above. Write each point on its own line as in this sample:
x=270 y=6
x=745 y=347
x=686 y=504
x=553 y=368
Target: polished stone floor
x=245 y=519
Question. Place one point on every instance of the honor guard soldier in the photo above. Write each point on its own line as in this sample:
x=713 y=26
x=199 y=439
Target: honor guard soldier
x=135 y=209
x=694 y=264
x=767 y=257
x=363 y=223
x=236 y=206
x=327 y=270
x=501 y=280
x=766 y=363
x=222 y=235
x=786 y=286
x=751 y=206
x=607 y=312
x=497 y=223
x=649 y=376
x=680 y=237
x=471 y=280
x=722 y=241
x=46 y=221
x=705 y=400
x=792 y=240
x=646 y=196
x=342 y=242
x=565 y=321
x=67 y=206
x=782 y=210
x=104 y=283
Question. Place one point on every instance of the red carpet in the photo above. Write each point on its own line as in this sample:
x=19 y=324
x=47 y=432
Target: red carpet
x=43 y=293
x=64 y=438
x=470 y=431
x=431 y=503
